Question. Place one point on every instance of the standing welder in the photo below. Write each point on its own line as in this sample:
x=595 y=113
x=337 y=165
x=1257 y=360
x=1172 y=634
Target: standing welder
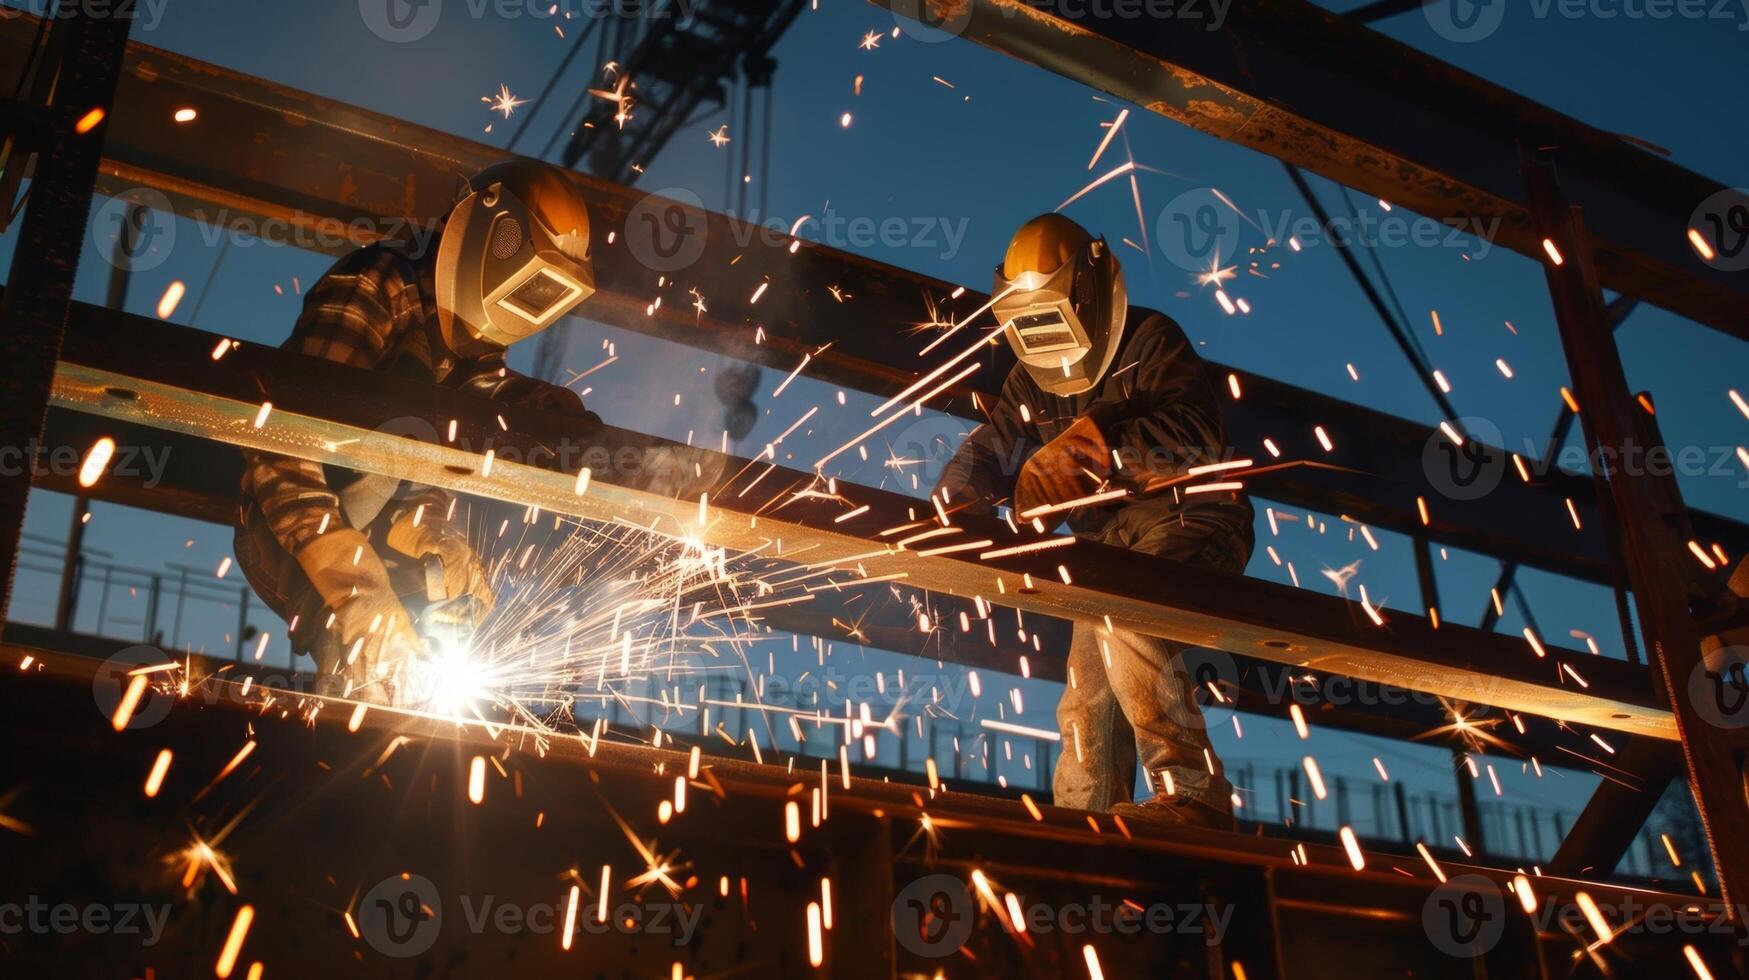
x=336 y=552
x=1109 y=397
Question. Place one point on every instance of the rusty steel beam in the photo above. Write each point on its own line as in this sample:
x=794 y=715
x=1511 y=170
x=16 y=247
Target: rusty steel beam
x=1668 y=587
x=390 y=799
x=200 y=480
x=1312 y=88
x=147 y=374
x=72 y=90
x=200 y=483
x=292 y=167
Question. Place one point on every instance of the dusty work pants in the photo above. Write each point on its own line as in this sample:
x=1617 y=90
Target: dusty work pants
x=1128 y=694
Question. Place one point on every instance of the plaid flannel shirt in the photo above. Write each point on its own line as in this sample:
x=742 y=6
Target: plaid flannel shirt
x=374 y=309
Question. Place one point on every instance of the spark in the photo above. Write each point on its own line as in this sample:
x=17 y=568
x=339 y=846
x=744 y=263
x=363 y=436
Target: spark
x=1011 y=728
x=234 y=942
x=1111 y=130
x=155 y=778
x=503 y=102
x=719 y=137
x=1352 y=846
x=168 y=302
x=96 y=461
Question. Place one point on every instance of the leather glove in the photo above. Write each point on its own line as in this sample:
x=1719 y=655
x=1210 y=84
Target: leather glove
x=1061 y=470
x=1733 y=628
x=463 y=576
x=375 y=629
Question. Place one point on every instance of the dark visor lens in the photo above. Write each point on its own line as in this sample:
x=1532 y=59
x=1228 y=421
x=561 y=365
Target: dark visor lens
x=538 y=295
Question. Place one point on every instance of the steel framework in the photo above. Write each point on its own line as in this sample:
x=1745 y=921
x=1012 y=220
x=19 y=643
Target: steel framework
x=352 y=164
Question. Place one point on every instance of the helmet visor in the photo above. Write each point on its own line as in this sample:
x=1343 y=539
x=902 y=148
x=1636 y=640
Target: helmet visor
x=1039 y=316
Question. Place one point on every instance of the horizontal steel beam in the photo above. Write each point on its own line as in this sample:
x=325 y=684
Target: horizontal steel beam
x=387 y=795
x=287 y=166
x=143 y=372
x=1293 y=80
x=200 y=478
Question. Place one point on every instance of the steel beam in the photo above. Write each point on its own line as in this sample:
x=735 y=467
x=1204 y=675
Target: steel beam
x=165 y=378
x=76 y=81
x=1300 y=83
x=200 y=482
x=357 y=175
x=390 y=799
x=1654 y=527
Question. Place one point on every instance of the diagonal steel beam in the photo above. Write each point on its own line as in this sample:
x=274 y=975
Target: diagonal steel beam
x=293 y=168
x=164 y=378
x=1295 y=81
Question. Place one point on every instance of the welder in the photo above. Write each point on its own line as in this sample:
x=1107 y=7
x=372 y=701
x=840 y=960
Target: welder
x=350 y=560
x=1109 y=401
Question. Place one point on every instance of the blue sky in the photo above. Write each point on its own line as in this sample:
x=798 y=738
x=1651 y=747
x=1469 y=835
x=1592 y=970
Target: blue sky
x=968 y=143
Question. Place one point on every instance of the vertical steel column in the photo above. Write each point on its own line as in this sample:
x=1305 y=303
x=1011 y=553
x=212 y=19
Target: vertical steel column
x=67 y=603
x=1468 y=812
x=39 y=288
x=1653 y=522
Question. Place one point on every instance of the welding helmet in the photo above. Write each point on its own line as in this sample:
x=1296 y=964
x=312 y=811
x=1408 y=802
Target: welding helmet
x=1065 y=306
x=513 y=257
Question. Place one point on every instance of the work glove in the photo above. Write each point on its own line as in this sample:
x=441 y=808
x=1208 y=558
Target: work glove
x=463 y=575
x=375 y=629
x=1733 y=627
x=1070 y=466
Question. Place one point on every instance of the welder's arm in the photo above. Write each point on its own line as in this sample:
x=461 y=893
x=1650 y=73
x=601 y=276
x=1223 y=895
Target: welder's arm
x=347 y=317
x=1181 y=424
x=526 y=392
x=983 y=471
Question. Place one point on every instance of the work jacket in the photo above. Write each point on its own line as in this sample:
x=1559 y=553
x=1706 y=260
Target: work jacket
x=1157 y=409
x=374 y=309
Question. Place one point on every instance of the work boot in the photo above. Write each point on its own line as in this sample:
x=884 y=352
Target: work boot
x=1162 y=812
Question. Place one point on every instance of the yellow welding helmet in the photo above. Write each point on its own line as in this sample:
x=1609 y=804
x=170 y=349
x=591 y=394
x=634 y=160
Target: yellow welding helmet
x=1061 y=299
x=514 y=256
